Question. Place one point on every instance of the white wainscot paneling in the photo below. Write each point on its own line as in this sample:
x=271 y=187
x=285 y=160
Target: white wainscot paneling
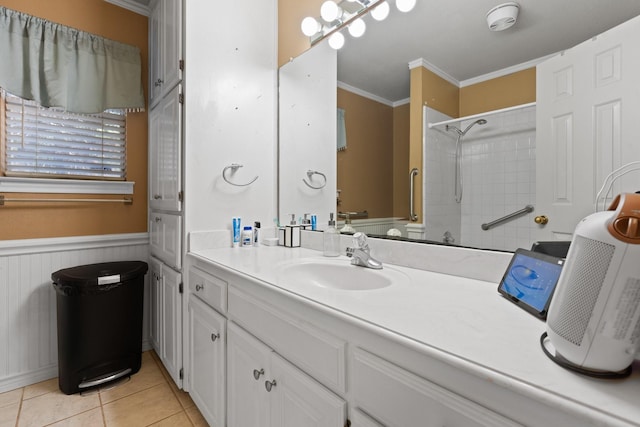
x=28 y=325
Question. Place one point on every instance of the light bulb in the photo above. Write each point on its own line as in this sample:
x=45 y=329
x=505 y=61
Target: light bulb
x=310 y=26
x=336 y=41
x=330 y=11
x=357 y=28
x=405 y=5
x=381 y=11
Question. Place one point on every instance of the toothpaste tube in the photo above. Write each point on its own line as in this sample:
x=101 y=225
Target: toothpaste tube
x=236 y=231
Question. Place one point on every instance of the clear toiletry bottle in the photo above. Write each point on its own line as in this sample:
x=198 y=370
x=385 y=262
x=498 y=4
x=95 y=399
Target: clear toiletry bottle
x=331 y=238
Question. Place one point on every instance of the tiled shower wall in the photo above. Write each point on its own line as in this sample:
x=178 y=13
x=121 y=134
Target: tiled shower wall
x=498 y=179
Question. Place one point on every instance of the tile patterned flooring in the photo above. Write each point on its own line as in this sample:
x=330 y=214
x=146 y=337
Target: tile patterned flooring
x=150 y=398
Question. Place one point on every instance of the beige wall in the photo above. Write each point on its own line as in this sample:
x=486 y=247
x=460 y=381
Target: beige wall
x=365 y=168
x=291 y=41
x=401 y=161
x=507 y=91
x=22 y=221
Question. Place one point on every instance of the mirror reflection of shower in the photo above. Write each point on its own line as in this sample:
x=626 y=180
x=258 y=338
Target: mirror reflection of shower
x=458 y=163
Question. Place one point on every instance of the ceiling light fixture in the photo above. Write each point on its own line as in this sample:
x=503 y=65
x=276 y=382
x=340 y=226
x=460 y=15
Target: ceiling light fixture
x=503 y=16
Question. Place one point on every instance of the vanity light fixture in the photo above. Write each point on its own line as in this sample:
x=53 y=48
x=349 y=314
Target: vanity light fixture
x=357 y=28
x=336 y=14
x=336 y=40
x=380 y=11
x=405 y=5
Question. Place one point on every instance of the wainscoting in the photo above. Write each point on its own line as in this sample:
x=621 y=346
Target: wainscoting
x=28 y=330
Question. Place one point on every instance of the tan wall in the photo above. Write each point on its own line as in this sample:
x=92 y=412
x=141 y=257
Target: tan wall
x=291 y=41
x=502 y=92
x=426 y=89
x=401 y=161
x=23 y=221
x=365 y=168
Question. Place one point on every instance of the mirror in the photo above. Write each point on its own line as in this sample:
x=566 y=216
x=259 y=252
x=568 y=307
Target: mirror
x=370 y=69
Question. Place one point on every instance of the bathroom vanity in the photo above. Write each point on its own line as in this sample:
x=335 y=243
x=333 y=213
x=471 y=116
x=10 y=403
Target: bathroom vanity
x=397 y=347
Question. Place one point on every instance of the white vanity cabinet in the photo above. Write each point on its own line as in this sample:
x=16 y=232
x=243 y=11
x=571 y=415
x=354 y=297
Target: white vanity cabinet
x=415 y=400
x=266 y=390
x=166 y=316
x=165 y=47
x=207 y=355
x=206 y=370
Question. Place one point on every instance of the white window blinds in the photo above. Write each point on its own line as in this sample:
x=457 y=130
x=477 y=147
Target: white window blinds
x=49 y=142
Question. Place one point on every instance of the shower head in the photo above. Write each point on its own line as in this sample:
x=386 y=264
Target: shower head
x=477 y=122
x=463 y=132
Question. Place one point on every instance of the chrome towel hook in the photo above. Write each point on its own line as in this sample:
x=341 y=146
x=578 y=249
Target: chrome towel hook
x=310 y=173
x=234 y=167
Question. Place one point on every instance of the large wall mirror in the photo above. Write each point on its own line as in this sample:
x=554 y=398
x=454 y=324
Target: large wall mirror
x=476 y=71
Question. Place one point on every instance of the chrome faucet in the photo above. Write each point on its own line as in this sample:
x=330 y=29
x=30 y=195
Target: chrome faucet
x=360 y=255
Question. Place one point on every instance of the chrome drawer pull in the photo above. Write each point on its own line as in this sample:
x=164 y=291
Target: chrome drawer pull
x=256 y=373
x=269 y=384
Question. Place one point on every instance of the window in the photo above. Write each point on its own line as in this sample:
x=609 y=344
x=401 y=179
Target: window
x=44 y=142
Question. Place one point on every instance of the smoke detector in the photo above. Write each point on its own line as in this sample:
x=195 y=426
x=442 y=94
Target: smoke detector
x=503 y=16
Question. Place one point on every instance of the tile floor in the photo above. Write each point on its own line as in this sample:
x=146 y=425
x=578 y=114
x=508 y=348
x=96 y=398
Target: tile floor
x=150 y=398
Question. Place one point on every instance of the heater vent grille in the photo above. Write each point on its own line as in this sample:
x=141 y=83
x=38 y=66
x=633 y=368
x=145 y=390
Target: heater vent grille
x=587 y=264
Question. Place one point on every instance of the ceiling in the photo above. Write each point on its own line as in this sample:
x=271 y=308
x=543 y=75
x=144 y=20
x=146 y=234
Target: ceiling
x=453 y=37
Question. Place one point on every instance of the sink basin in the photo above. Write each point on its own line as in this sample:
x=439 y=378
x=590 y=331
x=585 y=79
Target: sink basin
x=338 y=274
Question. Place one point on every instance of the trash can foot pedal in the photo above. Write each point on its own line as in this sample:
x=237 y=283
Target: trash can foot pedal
x=98 y=381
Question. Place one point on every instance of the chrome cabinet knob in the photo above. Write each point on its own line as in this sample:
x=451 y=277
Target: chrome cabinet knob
x=215 y=337
x=199 y=287
x=269 y=384
x=157 y=196
x=256 y=373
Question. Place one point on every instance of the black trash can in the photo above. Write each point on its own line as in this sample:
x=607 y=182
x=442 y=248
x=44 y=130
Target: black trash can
x=99 y=310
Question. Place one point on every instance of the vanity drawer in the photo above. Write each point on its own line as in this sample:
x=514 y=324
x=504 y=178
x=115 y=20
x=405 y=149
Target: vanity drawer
x=400 y=398
x=211 y=289
x=321 y=355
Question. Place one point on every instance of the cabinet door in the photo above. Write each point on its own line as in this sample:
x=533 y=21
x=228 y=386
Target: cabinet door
x=171 y=345
x=171 y=29
x=398 y=398
x=165 y=239
x=207 y=361
x=299 y=400
x=155 y=288
x=165 y=181
x=165 y=48
x=247 y=370
x=155 y=54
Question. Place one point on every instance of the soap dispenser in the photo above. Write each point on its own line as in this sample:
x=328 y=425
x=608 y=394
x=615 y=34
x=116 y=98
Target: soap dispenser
x=331 y=238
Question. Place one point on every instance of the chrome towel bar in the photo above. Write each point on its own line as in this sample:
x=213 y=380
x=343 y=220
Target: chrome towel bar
x=3 y=200
x=516 y=214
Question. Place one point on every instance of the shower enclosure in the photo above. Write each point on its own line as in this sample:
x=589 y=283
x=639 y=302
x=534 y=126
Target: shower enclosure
x=495 y=159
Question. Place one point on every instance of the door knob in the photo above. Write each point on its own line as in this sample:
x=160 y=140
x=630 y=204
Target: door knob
x=541 y=219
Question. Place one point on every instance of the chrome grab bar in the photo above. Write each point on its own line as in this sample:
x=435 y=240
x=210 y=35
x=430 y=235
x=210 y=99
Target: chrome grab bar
x=359 y=214
x=3 y=200
x=524 y=211
x=412 y=214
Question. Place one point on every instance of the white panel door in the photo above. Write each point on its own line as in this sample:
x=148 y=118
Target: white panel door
x=247 y=370
x=588 y=104
x=207 y=361
x=299 y=400
x=171 y=345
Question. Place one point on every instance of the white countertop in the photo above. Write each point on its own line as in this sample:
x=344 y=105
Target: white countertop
x=465 y=320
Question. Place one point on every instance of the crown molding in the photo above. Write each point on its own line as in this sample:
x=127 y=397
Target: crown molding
x=131 y=5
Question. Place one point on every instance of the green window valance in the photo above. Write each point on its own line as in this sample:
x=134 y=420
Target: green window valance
x=59 y=66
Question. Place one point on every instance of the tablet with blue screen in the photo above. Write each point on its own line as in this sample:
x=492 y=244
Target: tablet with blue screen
x=530 y=280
